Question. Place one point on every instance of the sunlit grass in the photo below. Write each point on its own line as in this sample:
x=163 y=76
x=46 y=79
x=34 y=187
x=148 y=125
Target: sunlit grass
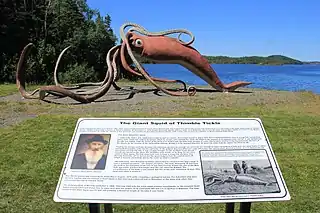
x=10 y=89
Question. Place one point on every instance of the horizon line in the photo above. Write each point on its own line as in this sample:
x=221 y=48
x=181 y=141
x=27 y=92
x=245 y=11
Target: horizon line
x=318 y=60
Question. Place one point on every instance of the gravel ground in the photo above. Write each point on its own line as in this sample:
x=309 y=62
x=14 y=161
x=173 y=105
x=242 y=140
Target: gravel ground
x=15 y=109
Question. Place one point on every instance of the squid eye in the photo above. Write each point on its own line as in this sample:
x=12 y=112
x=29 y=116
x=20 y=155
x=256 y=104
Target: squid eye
x=138 y=43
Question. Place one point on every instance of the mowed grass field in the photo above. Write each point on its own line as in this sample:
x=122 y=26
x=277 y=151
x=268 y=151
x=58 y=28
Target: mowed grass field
x=33 y=151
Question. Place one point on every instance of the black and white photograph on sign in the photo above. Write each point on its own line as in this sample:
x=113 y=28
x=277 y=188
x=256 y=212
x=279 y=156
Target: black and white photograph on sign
x=91 y=152
x=242 y=175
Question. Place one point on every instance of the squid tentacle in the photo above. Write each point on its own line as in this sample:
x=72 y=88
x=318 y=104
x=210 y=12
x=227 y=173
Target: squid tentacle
x=57 y=89
x=142 y=30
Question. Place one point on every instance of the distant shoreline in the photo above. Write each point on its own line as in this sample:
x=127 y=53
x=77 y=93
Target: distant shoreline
x=259 y=60
x=311 y=62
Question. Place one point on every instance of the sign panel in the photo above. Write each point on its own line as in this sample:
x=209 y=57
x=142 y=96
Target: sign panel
x=170 y=160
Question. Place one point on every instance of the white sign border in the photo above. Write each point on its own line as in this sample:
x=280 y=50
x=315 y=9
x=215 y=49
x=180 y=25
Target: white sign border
x=225 y=199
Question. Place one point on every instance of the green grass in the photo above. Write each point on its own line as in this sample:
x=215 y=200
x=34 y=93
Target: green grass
x=33 y=152
x=10 y=89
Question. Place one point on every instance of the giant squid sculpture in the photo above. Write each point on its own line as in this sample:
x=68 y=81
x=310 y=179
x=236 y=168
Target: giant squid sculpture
x=155 y=46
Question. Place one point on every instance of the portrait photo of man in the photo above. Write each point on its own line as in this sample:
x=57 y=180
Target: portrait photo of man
x=91 y=152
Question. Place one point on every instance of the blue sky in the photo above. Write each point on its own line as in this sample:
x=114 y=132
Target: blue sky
x=228 y=27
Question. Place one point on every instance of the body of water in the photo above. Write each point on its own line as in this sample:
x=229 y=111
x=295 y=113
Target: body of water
x=286 y=77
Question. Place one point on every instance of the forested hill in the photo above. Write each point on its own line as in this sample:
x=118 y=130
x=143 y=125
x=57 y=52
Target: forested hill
x=269 y=60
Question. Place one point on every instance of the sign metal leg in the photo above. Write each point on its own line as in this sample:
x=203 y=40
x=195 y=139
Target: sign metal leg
x=94 y=208
x=245 y=207
x=229 y=207
x=108 y=208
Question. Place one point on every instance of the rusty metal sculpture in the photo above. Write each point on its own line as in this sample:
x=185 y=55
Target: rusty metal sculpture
x=156 y=46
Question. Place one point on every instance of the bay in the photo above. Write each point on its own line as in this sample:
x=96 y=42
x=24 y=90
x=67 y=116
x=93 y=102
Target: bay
x=284 y=77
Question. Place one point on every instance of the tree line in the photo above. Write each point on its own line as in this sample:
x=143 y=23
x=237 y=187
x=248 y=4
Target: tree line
x=52 y=25
x=269 y=60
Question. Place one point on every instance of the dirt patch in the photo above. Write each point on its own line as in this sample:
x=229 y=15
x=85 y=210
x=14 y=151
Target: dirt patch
x=15 y=109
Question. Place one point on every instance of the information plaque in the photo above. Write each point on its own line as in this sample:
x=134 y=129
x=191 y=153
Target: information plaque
x=170 y=160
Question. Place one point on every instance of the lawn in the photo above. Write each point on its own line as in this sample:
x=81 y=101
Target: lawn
x=33 y=152
x=9 y=89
